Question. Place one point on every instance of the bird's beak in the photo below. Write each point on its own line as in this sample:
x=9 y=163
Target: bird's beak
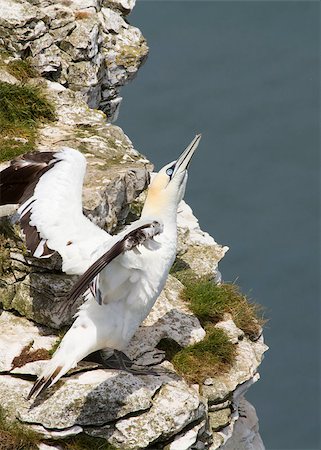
x=185 y=158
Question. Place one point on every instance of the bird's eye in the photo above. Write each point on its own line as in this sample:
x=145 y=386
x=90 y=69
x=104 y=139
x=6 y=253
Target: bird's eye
x=169 y=171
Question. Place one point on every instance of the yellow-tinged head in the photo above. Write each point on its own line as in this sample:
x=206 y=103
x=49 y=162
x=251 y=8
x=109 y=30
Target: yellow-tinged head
x=168 y=186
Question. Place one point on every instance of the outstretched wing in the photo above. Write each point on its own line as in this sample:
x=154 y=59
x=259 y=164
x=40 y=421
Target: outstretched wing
x=140 y=233
x=48 y=187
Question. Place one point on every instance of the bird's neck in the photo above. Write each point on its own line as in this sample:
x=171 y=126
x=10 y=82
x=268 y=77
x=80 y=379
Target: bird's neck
x=158 y=207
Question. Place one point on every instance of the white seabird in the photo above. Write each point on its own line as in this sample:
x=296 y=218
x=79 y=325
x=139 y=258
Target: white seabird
x=122 y=274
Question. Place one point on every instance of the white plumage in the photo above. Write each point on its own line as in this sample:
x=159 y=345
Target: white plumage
x=57 y=214
x=125 y=272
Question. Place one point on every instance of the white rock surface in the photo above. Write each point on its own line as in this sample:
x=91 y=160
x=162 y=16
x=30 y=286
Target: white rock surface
x=85 y=44
x=18 y=333
x=246 y=430
x=175 y=406
x=44 y=446
x=125 y=6
x=249 y=355
x=186 y=440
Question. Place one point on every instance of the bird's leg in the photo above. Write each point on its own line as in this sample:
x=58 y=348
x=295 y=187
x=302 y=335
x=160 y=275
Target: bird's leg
x=120 y=361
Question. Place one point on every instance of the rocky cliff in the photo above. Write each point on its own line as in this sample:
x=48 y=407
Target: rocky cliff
x=81 y=52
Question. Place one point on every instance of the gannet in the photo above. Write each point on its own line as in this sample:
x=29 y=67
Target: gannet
x=122 y=275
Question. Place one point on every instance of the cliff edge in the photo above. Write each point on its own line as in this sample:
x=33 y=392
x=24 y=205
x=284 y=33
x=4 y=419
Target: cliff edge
x=72 y=57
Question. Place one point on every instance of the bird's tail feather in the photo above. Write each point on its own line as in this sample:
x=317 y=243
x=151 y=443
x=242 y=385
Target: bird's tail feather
x=44 y=381
x=52 y=372
x=67 y=355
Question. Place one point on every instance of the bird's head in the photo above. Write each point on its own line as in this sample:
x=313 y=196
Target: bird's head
x=168 y=185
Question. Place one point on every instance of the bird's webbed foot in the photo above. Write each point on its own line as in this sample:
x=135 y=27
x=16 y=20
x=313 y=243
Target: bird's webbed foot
x=120 y=361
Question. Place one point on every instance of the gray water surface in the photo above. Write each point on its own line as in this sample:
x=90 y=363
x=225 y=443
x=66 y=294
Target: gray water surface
x=246 y=75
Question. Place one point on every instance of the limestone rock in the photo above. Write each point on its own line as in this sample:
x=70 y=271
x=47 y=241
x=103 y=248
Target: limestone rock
x=219 y=419
x=175 y=406
x=56 y=434
x=84 y=44
x=248 y=357
x=44 y=446
x=40 y=296
x=246 y=430
x=79 y=5
x=6 y=77
x=17 y=334
x=107 y=193
x=185 y=440
x=17 y=14
x=58 y=15
x=93 y=398
x=125 y=6
x=48 y=61
x=234 y=333
x=196 y=248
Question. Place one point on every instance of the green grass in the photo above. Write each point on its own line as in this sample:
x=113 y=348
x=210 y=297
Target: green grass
x=22 y=107
x=213 y=355
x=15 y=436
x=21 y=70
x=210 y=301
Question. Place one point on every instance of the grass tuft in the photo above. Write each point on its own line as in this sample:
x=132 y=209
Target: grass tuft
x=21 y=70
x=210 y=301
x=15 y=436
x=213 y=355
x=21 y=109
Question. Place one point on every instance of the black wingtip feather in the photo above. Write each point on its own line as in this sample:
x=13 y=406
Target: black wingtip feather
x=22 y=172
